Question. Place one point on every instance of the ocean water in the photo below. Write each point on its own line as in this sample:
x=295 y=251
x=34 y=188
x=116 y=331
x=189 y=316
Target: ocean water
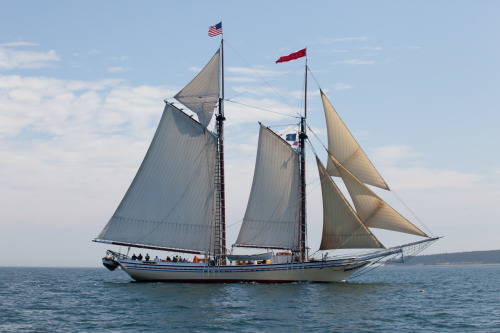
x=389 y=299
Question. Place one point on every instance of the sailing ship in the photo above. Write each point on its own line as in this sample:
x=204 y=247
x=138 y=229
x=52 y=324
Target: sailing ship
x=176 y=202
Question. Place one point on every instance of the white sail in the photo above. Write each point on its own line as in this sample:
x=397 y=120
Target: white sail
x=342 y=228
x=373 y=211
x=272 y=215
x=346 y=150
x=170 y=202
x=202 y=93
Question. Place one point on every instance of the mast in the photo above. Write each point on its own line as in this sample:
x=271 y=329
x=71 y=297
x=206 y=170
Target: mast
x=302 y=138
x=220 y=228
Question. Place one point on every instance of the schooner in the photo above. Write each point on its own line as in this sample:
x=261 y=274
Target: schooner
x=176 y=202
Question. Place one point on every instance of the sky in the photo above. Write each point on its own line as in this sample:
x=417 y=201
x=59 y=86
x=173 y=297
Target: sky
x=83 y=84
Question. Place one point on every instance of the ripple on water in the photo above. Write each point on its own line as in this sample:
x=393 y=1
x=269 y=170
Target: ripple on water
x=388 y=299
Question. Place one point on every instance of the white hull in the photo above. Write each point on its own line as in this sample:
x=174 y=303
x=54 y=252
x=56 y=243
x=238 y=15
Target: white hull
x=316 y=271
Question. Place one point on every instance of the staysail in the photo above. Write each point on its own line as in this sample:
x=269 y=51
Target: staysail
x=342 y=228
x=170 y=203
x=346 y=150
x=272 y=216
x=372 y=210
x=202 y=93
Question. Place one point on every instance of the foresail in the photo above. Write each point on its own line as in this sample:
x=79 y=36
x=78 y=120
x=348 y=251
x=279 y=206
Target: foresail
x=272 y=215
x=373 y=211
x=347 y=151
x=202 y=93
x=342 y=228
x=170 y=202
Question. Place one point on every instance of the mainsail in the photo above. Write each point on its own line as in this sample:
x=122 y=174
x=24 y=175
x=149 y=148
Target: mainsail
x=202 y=93
x=373 y=211
x=170 y=203
x=346 y=150
x=272 y=216
x=342 y=228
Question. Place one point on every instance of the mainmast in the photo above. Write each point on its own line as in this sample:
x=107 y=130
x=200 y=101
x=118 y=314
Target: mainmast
x=220 y=224
x=302 y=138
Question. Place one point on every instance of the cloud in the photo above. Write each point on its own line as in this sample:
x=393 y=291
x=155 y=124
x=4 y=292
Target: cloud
x=69 y=145
x=371 y=48
x=122 y=58
x=341 y=86
x=356 y=62
x=34 y=105
x=392 y=160
x=117 y=69
x=390 y=155
x=345 y=39
x=253 y=72
x=13 y=59
x=16 y=44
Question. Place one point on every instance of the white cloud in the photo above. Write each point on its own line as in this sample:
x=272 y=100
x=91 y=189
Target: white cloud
x=116 y=69
x=356 y=62
x=253 y=72
x=390 y=155
x=345 y=39
x=122 y=58
x=12 y=59
x=69 y=148
x=371 y=48
x=341 y=86
x=338 y=51
x=390 y=159
x=195 y=69
x=16 y=44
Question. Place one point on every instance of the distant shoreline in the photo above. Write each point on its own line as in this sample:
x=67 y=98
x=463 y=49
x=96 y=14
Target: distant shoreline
x=438 y=265
x=473 y=258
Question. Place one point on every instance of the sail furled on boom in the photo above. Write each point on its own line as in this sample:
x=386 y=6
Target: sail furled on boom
x=202 y=93
x=272 y=215
x=346 y=150
x=372 y=210
x=171 y=200
x=342 y=228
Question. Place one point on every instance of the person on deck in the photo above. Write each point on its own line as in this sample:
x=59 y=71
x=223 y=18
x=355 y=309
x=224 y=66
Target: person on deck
x=195 y=259
x=147 y=257
x=157 y=259
x=139 y=257
x=134 y=257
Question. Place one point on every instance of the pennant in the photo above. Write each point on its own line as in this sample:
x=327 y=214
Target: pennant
x=215 y=30
x=293 y=56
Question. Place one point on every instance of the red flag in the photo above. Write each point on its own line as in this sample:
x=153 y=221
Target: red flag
x=293 y=56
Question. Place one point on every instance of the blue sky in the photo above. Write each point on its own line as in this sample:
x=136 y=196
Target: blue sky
x=82 y=86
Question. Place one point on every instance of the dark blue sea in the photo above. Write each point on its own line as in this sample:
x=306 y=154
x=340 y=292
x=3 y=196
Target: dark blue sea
x=389 y=299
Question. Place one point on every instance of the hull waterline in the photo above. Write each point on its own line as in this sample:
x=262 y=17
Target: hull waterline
x=318 y=271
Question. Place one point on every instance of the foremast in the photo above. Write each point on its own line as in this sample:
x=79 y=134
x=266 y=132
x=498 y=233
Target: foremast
x=220 y=223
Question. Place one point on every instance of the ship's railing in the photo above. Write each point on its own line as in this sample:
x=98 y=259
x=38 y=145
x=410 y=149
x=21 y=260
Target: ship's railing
x=117 y=255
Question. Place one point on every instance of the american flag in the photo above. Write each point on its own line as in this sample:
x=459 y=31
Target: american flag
x=215 y=30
